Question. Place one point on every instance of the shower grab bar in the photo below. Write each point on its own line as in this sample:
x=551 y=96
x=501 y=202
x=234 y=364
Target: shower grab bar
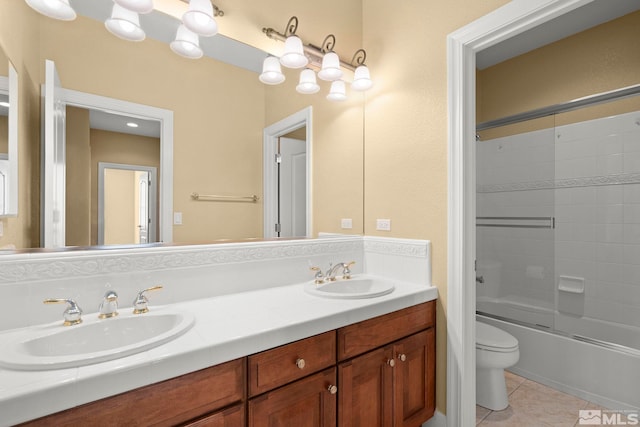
x=551 y=219
x=216 y=198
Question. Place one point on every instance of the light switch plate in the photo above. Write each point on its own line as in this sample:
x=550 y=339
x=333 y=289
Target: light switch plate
x=177 y=218
x=346 y=223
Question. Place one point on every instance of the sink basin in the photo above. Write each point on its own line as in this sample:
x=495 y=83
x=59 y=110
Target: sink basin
x=99 y=340
x=356 y=287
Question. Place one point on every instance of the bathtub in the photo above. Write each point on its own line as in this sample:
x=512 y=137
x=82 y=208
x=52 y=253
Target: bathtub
x=608 y=375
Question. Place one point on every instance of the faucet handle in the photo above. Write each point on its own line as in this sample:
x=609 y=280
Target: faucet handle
x=319 y=277
x=141 y=301
x=72 y=314
x=346 y=270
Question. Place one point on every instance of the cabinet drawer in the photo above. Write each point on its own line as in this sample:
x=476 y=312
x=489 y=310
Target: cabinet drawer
x=364 y=336
x=166 y=403
x=230 y=417
x=276 y=367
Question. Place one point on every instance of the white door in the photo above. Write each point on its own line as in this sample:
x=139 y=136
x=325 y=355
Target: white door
x=292 y=200
x=54 y=161
x=143 y=206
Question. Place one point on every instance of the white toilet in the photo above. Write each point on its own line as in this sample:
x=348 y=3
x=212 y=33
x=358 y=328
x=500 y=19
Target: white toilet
x=495 y=351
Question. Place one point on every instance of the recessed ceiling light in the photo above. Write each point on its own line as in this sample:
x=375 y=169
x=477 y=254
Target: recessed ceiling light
x=4 y=104
x=132 y=125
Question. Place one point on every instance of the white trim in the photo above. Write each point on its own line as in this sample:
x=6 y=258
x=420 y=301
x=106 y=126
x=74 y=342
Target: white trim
x=10 y=85
x=153 y=173
x=512 y=19
x=270 y=139
x=117 y=106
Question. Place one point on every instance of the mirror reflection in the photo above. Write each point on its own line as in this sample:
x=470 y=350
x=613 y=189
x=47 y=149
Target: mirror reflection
x=219 y=114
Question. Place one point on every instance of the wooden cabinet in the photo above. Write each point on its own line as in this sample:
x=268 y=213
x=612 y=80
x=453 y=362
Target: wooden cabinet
x=393 y=384
x=309 y=402
x=390 y=386
x=167 y=403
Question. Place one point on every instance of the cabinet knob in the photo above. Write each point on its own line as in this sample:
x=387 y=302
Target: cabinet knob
x=332 y=389
x=391 y=362
x=402 y=357
x=300 y=363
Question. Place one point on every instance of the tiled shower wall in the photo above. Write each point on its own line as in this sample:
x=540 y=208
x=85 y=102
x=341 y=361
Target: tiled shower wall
x=587 y=175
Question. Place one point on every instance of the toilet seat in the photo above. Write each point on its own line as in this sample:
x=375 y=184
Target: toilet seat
x=490 y=338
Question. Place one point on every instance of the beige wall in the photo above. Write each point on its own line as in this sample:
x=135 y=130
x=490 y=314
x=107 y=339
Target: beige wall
x=78 y=178
x=4 y=135
x=406 y=129
x=19 y=41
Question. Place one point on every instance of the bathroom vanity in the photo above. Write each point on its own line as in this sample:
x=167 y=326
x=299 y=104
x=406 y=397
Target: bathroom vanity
x=261 y=347
x=359 y=373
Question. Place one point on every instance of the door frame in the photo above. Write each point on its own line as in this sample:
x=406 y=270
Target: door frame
x=270 y=170
x=131 y=109
x=153 y=190
x=503 y=23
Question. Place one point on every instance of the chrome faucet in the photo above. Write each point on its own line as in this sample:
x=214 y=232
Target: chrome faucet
x=140 y=304
x=346 y=272
x=72 y=314
x=109 y=305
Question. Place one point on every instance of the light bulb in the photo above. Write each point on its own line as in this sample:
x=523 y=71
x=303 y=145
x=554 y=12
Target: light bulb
x=331 y=70
x=56 y=9
x=337 y=92
x=307 y=83
x=361 y=79
x=138 y=6
x=186 y=43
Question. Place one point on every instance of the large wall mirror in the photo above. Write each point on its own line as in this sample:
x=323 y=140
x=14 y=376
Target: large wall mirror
x=219 y=112
x=8 y=138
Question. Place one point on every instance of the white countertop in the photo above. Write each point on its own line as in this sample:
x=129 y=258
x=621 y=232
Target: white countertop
x=226 y=328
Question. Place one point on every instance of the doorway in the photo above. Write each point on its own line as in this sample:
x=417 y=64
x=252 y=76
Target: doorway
x=287 y=176
x=126 y=204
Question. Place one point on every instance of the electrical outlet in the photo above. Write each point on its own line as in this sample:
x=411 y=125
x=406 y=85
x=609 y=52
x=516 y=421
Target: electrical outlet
x=177 y=218
x=383 y=224
x=346 y=223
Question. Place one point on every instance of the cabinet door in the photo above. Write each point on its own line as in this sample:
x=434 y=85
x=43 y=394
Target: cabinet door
x=366 y=390
x=415 y=379
x=308 y=402
x=230 y=417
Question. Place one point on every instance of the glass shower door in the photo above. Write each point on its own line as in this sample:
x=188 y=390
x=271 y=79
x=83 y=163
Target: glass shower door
x=515 y=222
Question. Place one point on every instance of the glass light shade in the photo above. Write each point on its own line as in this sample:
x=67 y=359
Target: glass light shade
x=307 y=83
x=186 y=43
x=361 y=79
x=271 y=71
x=338 y=91
x=56 y=9
x=293 y=56
x=124 y=24
x=199 y=18
x=331 y=70
x=138 y=6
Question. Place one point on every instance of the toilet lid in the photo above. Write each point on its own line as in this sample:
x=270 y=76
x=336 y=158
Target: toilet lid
x=492 y=338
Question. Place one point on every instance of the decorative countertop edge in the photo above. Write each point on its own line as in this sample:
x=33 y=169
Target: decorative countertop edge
x=264 y=319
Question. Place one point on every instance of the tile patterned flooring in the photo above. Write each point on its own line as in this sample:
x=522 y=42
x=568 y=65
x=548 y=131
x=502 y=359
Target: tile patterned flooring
x=534 y=405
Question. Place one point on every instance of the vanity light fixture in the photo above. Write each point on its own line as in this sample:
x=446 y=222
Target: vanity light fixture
x=56 y=9
x=186 y=43
x=271 y=71
x=298 y=54
x=307 y=83
x=125 y=24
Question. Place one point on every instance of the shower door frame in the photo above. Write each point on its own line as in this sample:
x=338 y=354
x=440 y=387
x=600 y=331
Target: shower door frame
x=506 y=22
